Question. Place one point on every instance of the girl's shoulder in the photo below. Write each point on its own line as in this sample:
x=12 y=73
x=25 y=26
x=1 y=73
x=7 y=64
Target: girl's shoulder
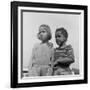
x=68 y=47
x=36 y=45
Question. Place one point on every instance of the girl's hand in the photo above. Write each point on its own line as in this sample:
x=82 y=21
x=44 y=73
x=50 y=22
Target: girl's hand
x=56 y=62
x=50 y=44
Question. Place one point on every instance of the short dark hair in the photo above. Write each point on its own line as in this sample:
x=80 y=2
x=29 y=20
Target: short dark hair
x=63 y=31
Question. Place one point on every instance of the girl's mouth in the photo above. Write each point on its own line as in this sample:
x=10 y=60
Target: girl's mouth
x=59 y=42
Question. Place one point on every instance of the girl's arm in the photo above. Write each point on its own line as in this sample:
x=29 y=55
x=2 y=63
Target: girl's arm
x=68 y=59
x=52 y=58
x=32 y=59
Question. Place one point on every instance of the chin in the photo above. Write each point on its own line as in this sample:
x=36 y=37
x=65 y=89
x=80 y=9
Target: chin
x=58 y=43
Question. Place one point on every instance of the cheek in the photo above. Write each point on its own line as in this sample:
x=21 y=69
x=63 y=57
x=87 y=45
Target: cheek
x=62 y=38
x=45 y=35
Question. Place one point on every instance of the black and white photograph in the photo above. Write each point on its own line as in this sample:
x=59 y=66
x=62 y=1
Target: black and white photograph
x=51 y=44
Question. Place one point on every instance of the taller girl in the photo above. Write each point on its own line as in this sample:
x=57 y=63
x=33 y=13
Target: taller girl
x=42 y=53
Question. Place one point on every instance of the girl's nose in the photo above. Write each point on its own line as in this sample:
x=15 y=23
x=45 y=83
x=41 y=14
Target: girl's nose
x=57 y=38
x=41 y=34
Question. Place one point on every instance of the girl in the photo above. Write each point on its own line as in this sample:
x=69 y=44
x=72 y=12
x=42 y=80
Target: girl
x=63 y=54
x=42 y=54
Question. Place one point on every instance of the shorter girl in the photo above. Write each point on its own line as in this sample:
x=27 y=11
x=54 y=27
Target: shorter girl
x=63 y=54
x=42 y=54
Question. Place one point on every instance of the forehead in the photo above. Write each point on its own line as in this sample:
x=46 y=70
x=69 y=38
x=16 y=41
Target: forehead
x=42 y=29
x=58 y=33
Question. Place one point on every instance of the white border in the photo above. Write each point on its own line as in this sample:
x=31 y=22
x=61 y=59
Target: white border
x=51 y=78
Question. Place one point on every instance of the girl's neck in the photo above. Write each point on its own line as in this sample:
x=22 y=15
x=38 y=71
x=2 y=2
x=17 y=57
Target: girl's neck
x=43 y=42
x=62 y=45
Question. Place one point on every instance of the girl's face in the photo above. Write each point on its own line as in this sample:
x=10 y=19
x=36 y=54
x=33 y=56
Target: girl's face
x=60 y=39
x=43 y=34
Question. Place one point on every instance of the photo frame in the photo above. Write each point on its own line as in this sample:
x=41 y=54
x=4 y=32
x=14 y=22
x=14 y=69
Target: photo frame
x=26 y=18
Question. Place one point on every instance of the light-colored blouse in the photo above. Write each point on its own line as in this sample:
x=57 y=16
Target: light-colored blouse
x=42 y=54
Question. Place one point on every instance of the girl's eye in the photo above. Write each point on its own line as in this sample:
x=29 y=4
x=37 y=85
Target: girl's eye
x=43 y=31
x=58 y=36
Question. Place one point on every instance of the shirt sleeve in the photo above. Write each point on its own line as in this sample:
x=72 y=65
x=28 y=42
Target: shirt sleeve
x=69 y=56
x=70 y=53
